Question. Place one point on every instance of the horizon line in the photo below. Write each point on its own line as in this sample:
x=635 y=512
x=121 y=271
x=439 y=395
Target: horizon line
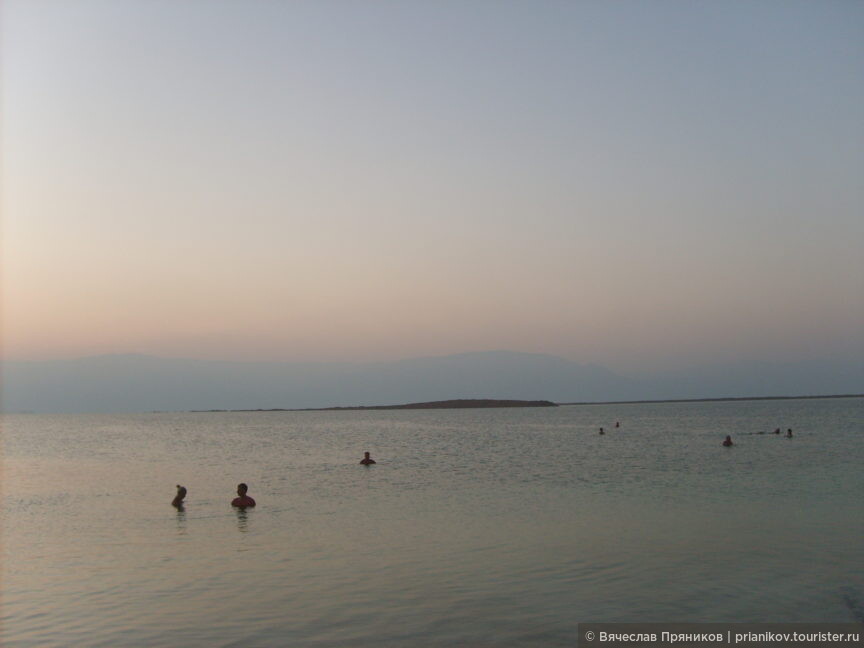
x=401 y=407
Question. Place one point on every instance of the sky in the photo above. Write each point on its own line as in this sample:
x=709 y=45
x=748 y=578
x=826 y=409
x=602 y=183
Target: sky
x=644 y=185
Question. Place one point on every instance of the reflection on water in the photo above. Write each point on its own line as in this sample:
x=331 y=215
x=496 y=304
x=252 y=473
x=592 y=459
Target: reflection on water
x=181 y=519
x=242 y=519
x=477 y=527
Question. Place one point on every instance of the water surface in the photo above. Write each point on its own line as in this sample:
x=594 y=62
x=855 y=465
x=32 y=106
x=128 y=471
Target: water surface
x=476 y=527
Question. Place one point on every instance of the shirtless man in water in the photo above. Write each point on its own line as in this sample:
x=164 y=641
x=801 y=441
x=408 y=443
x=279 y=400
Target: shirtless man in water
x=178 y=499
x=367 y=460
x=243 y=501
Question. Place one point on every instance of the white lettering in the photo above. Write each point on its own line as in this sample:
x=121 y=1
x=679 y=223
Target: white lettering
x=632 y=637
x=688 y=637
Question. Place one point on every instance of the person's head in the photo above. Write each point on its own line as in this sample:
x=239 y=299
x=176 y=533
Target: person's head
x=181 y=492
x=728 y=438
x=366 y=454
x=241 y=489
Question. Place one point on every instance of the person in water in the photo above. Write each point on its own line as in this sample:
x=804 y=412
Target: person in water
x=367 y=460
x=601 y=431
x=789 y=433
x=617 y=424
x=243 y=500
x=777 y=431
x=728 y=442
x=177 y=502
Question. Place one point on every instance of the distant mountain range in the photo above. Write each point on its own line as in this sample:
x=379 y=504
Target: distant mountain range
x=136 y=383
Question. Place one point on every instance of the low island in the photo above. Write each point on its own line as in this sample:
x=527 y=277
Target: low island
x=463 y=403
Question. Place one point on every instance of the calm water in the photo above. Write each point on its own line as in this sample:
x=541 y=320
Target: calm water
x=477 y=527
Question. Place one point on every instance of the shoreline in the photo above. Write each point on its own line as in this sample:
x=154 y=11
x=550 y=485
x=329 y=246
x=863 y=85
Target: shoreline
x=459 y=403
x=712 y=400
x=452 y=404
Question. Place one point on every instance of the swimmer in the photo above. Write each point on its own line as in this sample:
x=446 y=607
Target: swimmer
x=777 y=431
x=367 y=460
x=617 y=424
x=789 y=433
x=728 y=442
x=177 y=502
x=243 y=501
x=601 y=431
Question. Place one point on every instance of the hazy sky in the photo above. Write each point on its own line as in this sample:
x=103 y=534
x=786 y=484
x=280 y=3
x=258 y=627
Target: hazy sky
x=643 y=184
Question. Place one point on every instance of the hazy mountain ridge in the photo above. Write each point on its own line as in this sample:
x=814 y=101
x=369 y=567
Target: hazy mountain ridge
x=130 y=383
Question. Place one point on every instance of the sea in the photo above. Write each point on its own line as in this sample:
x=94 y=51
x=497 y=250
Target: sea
x=476 y=527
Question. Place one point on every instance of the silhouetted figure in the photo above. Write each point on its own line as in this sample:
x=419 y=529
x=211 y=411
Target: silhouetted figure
x=789 y=433
x=777 y=431
x=602 y=431
x=243 y=501
x=367 y=460
x=728 y=442
x=177 y=502
x=617 y=424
